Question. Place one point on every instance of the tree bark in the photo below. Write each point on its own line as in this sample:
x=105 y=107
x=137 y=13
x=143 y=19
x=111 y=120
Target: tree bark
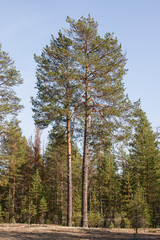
x=85 y=153
x=62 y=197
x=13 y=196
x=69 y=162
x=99 y=169
x=69 y=175
x=85 y=176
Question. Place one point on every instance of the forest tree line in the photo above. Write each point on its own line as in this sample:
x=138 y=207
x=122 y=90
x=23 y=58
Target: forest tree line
x=101 y=165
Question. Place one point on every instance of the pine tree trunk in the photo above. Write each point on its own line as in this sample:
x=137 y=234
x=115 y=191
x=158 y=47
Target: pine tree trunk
x=85 y=176
x=100 y=188
x=85 y=156
x=29 y=219
x=13 y=196
x=62 y=197
x=69 y=175
x=69 y=162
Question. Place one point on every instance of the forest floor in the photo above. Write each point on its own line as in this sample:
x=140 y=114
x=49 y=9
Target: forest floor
x=52 y=232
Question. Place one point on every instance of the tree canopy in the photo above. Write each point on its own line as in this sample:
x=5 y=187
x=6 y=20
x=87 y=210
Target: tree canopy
x=100 y=166
x=9 y=78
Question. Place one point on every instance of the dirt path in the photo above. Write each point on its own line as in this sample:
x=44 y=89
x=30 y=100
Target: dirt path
x=50 y=232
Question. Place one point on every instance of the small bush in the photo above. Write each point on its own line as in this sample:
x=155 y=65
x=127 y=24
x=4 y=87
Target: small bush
x=117 y=220
x=111 y=225
x=77 y=219
x=125 y=222
x=95 y=220
x=13 y=220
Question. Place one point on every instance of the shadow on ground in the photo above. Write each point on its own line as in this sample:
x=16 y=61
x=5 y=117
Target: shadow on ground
x=73 y=235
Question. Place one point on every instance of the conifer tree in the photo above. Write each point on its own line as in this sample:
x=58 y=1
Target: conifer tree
x=55 y=98
x=56 y=178
x=156 y=209
x=144 y=155
x=1 y=214
x=36 y=191
x=33 y=162
x=42 y=209
x=24 y=210
x=9 y=78
x=13 y=152
x=36 y=148
x=126 y=191
x=100 y=66
x=27 y=172
x=77 y=184
x=110 y=187
x=139 y=212
x=32 y=212
x=28 y=210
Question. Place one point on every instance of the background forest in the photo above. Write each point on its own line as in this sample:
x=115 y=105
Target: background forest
x=101 y=165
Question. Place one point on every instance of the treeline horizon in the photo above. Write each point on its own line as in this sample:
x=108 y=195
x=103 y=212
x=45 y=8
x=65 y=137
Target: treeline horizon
x=114 y=181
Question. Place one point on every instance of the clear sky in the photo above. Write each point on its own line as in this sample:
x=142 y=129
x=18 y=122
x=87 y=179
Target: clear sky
x=26 y=27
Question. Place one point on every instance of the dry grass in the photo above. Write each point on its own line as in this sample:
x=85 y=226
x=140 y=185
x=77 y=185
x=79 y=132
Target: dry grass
x=52 y=232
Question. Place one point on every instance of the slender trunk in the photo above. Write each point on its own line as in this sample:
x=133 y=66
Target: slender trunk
x=69 y=162
x=137 y=222
x=13 y=196
x=85 y=175
x=99 y=169
x=90 y=199
x=69 y=176
x=62 y=189
x=85 y=154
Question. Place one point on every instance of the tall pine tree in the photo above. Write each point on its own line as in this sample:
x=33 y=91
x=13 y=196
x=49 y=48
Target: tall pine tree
x=100 y=66
x=144 y=155
x=56 y=94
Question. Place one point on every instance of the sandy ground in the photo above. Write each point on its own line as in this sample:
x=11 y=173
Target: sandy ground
x=52 y=232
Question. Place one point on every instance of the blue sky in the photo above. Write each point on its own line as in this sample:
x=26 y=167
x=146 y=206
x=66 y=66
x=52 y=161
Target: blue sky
x=26 y=27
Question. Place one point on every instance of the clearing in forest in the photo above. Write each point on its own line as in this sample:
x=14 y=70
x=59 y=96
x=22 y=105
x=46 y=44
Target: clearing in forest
x=52 y=232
